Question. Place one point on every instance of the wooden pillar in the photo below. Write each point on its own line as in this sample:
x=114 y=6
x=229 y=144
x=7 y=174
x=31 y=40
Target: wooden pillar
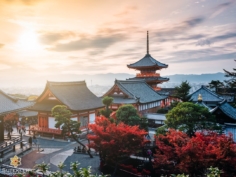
x=14 y=148
x=1 y=129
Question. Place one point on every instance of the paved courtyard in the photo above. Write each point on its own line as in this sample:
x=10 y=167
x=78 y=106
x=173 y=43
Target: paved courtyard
x=54 y=151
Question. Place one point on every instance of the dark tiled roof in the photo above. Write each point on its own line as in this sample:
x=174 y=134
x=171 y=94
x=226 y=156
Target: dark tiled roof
x=45 y=105
x=167 y=91
x=228 y=109
x=229 y=98
x=26 y=113
x=139 y=90
x=9 y=104
x=204 y=105
x=150 y=78
x=75 y=95
x=207 y=95
x=122 y=100
x=147 y=61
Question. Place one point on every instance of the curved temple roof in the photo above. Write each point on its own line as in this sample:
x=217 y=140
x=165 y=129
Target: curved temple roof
x=9 y=104
x=137 y=91
x=75 y=95
x=147 y=61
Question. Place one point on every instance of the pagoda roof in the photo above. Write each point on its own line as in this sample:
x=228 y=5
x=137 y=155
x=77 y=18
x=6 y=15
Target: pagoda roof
x=75 y=95
x=227 y=109
x=9 y=104
x=161 y=79
x=200 y=103
x=207 y=95
x=147 y=62
x=135 y=91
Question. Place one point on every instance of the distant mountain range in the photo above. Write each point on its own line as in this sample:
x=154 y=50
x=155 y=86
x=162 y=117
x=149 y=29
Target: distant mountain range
x=109 y=78
x=99 y=83
x=103 y=79
x=194 y=78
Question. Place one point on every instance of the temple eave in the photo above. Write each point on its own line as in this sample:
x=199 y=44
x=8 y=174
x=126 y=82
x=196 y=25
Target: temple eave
x=147 y=67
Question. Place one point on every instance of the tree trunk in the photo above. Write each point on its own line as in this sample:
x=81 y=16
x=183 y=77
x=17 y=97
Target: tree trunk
x=76 y=139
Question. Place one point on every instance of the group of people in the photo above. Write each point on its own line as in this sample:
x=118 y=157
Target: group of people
x=9 y=124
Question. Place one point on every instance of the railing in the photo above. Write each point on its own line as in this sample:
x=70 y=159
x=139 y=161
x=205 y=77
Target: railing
x=44 y=129
x=148 y=75
x=12 y=142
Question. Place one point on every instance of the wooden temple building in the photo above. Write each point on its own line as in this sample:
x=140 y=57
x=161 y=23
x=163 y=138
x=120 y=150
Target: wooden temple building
x=135 y=92
x=10 y=105
x=75 y=95
x=148 y=67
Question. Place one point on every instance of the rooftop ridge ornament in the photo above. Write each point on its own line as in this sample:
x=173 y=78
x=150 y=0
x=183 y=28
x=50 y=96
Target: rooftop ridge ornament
x=199 y=98
x=147 y=43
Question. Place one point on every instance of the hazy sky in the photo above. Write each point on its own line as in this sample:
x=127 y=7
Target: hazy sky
x=48 y=37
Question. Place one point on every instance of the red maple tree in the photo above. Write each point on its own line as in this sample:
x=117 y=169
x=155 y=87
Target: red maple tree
x=178 y=153
x=115 y=142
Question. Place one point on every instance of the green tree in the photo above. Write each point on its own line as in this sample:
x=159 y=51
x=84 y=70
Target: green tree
x=63 y=118
x=182 y=91
x=107 y=101
x=215 y=84
x=232 y=75
x=129 y=116
x=189 y=118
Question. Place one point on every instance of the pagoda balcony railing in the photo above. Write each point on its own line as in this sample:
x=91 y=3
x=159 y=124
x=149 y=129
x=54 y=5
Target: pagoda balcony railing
x=44 y=129
x=156 y=88
x=148 y=75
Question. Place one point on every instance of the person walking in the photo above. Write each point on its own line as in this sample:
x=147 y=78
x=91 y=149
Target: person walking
x=30 y=140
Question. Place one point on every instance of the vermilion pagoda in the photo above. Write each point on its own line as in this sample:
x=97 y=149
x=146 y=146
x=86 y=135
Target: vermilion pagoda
x=148 y=67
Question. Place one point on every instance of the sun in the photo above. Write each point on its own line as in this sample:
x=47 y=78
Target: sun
x=28 y=41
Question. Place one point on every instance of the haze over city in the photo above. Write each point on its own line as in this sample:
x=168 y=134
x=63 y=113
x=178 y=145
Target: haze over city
x=43 y=40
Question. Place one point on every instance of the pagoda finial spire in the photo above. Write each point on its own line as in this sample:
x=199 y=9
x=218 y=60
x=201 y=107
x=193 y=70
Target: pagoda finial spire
x=147 y=43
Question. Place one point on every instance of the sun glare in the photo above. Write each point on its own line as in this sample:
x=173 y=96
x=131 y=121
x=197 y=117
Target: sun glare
x=28 y=41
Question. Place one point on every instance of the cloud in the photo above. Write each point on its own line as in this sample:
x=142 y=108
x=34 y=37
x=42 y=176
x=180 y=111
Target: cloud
x=24 y=2
x=1 y=45
x=224 y=36
x=220 y=9
x=203 y=42
x=127 y=11
x=53 y=37
x=227 y=56
x=93 y=42
x=169 y=33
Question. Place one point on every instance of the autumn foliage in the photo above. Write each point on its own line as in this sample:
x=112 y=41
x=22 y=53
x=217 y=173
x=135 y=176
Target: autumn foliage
x=115 y=141
x=178 y=153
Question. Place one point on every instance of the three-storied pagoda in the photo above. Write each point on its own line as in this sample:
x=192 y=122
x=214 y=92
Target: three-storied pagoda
x=148 y=67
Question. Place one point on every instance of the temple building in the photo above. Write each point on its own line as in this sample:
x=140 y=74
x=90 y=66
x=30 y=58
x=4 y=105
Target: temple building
x=216 y=104
x=210 y=98
x=135 y=92
x=75 y=95
x=10 y=105
x=148 y=67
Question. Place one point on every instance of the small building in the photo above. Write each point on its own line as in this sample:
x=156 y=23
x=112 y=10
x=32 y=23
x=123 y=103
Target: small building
x=210 y=98
x=75 y=95
x=225 y=113
x=135 y=92
x=10 y=105
x=155 y=120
